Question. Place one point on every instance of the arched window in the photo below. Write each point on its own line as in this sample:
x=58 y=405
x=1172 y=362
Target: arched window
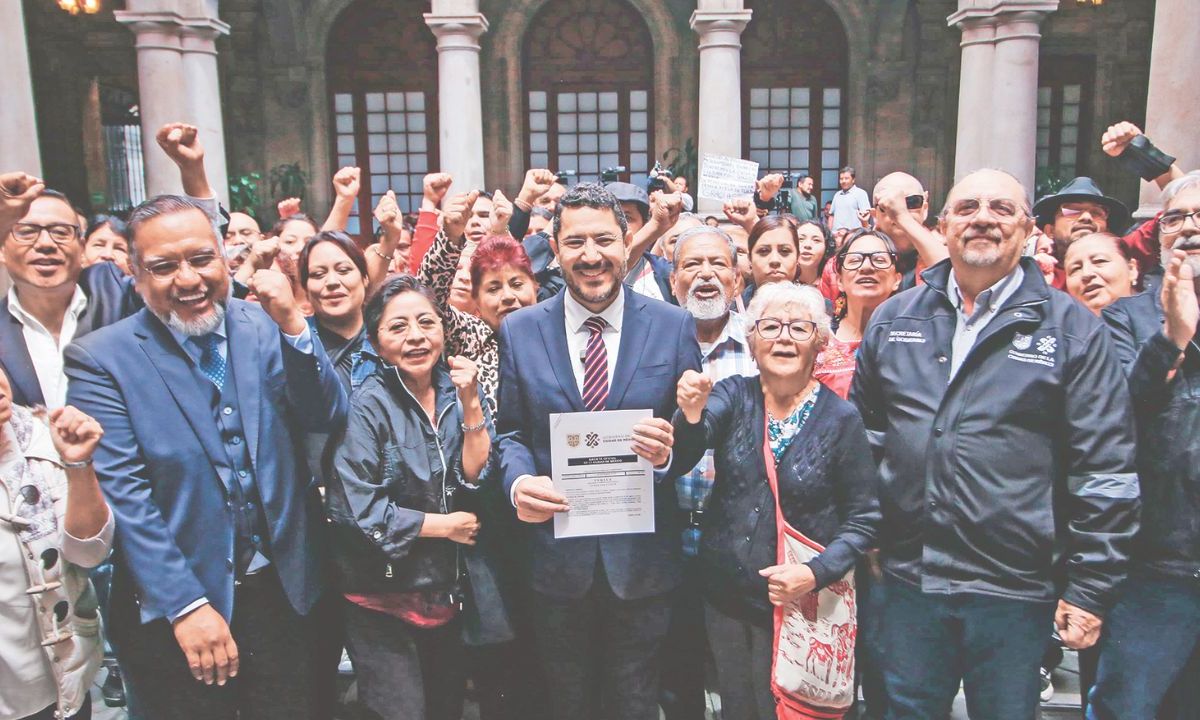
x=794 y=69
x=589 y=69
x=381 y=67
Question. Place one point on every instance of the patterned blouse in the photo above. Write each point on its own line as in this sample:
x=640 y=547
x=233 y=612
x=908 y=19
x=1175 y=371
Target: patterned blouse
x=780 y=433
x=466 y=334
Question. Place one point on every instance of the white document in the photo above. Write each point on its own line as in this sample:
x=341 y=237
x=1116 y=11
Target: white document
x=725 y=178
x=610 y=487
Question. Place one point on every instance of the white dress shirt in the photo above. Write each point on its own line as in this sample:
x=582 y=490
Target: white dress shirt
x=44 y=350
x=578 y=335
x=574 y=316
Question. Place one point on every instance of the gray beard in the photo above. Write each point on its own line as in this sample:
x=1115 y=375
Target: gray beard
x=194 y=328
x=706 y=309
x=1192 y=260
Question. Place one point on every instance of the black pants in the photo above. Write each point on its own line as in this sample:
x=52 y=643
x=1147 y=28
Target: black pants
x=403 y=672
x=600 y=654
x=685 y=652
x=275 y=650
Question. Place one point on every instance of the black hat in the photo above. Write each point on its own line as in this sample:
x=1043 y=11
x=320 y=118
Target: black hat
x=1082 y=189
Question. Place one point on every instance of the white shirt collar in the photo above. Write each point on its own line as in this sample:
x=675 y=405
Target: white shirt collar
x=577 y=315
x=78 y=304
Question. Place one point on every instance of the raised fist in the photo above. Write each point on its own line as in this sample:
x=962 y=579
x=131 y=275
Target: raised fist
x=502 y=210
x=434 y=188
x=457 y=213
x=346 y=182
x=181 y=143
x=537 y=183
x=691 y=394
x=75 y=434
x=1117 y=137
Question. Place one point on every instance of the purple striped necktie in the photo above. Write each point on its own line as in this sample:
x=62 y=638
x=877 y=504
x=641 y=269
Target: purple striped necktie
x=595 y=366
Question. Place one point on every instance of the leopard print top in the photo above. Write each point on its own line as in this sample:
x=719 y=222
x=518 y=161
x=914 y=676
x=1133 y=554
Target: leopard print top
x=466 y=335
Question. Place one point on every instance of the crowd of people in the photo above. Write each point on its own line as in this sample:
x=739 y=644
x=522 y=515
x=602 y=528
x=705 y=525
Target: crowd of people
x=894 y=454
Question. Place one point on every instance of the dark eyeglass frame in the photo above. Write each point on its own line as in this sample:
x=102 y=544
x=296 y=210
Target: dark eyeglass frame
x=30 y=239
x=807 y=328
x=889 y=260
x=201 y=263
x=1176 y=220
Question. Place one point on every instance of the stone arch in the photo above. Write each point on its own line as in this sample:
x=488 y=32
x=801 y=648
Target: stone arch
x=505 y=122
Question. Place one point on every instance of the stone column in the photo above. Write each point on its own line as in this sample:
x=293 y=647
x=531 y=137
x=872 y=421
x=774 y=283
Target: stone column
x=974 y=95
x=720 y=32
x=177 y=82
x=997 y=102
x=460 y=109
x=1172 y=114
x=204 y=97
x=18 y=121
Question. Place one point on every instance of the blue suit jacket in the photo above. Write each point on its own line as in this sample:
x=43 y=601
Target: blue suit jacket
x=658 y=342
x=110 y=297
x=164 y=470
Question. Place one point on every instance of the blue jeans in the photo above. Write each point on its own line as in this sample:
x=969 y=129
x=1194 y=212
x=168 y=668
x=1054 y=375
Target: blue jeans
x=1148 y=636
x=993 y=645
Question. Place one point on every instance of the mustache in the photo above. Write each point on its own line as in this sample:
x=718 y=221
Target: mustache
x=1187 y=242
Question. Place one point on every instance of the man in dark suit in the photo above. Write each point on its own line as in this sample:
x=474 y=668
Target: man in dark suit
x=53 y=299
x=201 y=397
x=600 y=604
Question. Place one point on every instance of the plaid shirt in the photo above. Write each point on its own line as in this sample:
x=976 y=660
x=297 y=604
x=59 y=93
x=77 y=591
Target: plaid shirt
x=728 y=356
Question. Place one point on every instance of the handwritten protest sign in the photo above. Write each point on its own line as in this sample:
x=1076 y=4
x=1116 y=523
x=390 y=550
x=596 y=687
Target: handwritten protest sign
x=725 y=178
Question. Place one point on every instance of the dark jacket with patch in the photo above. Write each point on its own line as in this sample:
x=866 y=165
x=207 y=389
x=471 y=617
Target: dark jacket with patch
x=1016 y=478
x=1168 y=422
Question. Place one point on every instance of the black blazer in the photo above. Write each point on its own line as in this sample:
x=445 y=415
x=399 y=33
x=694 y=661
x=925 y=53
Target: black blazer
x=658 y=342
x=110 y=297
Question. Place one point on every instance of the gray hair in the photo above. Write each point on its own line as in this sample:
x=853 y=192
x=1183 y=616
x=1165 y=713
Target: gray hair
x=1178 y=185
x=591 y=195
x=158 y=206
x=700 y=232
x=806 y=296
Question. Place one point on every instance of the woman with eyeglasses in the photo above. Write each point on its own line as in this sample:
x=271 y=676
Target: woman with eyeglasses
x=826 y=479
x=404 y=493
x=54 y=524
x=866 y=276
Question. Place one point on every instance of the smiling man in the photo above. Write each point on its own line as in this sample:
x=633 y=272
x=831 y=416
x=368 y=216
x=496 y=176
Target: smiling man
x=601 y=604
x=705 y=282
x=200 y=396
x=53 y=299
x=1003 y=427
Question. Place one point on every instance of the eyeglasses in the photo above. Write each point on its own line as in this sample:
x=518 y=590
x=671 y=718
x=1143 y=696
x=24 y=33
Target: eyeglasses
x=1172 y=222
x=1000 y=208
x=880 y=260
x=201 y=262
x=60 y=233
x=772 y=329
x=1096 y=212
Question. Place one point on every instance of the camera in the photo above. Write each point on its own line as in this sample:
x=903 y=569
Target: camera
x=782 y=202
x=612 y=174
x=658 y=177
x=562 y=177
